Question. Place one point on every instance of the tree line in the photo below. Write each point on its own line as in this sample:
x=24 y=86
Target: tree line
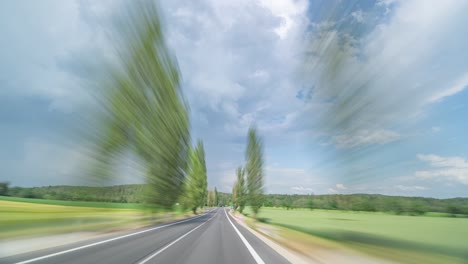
x=369 y=203
x=130 y=193
x=350 y=202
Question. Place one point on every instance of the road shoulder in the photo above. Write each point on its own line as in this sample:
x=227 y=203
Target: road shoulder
x=289 y=255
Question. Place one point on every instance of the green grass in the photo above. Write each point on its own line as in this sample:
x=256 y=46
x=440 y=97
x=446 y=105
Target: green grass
x=25 y=217
x=73 y=203
x=441 y=235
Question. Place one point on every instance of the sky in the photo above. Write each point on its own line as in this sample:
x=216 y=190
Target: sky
x=348 y=96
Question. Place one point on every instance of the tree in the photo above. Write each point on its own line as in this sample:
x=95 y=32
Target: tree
x=211 y=198
x=235 y=202
x=4 y=188
x=144 y=107
x=419 y=208
x=240 y=189
x=216 y=198
x=453 y=210
x=254 y=169
x=310 y=204
x=196 y=183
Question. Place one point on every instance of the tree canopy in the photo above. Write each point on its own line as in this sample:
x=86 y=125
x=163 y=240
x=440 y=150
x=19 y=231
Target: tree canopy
x=254 y=169
x=196 y=183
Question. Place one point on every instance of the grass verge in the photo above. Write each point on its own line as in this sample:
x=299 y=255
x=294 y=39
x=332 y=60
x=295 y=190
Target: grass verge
x=406 y=239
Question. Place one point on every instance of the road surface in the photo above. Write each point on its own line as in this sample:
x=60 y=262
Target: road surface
x=211 y=238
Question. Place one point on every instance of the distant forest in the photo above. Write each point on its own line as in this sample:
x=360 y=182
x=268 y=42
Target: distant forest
x=351 y=202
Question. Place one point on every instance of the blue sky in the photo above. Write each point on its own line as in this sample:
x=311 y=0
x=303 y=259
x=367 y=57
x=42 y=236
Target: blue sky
x=403 y=65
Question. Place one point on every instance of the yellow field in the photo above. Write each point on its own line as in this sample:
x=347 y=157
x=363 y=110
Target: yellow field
x=26 y=219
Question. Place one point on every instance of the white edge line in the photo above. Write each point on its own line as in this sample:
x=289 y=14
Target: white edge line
x=108 y=240
x=173 y=242
x=252 y=251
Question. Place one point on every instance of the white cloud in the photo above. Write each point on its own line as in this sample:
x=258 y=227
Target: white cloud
x=286 y=10
x=340 y=186
x=452 y=169
x=260 y=74
x=438 y=161
x=410 y=188
x=435 y=129
x=358 y=16
x=366 y=137
x=458 y=86
x=302 y=189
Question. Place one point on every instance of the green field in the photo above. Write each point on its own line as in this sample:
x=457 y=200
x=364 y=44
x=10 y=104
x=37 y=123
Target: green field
x=74 y=203
x=440 y=235
x=25 y=217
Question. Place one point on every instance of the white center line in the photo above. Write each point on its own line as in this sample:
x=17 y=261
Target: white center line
x=108 y=240
x=173 y=242
x=252 y=251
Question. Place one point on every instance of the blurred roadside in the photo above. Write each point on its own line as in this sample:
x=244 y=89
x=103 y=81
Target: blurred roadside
x=300 y=248
x=335 y=236
x=27 y=227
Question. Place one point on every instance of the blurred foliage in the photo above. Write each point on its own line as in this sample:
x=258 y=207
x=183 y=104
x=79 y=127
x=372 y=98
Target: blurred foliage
x=254 y=170
x=224 y=199
x=239 y=192
x=112 y=194
x=4 y=188
x=215 y=198
x=144 y=107
x=196 y=183
x=210 y=199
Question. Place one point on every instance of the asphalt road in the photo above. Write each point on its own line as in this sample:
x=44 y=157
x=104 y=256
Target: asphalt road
x=211 y=238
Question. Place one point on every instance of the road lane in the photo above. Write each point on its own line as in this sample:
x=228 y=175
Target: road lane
x=210 y=239
x=218 y=242
x=151 y=257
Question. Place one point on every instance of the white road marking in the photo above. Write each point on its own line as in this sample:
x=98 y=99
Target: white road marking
x=108 y=240
x=173 y=242
x=252 y=251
